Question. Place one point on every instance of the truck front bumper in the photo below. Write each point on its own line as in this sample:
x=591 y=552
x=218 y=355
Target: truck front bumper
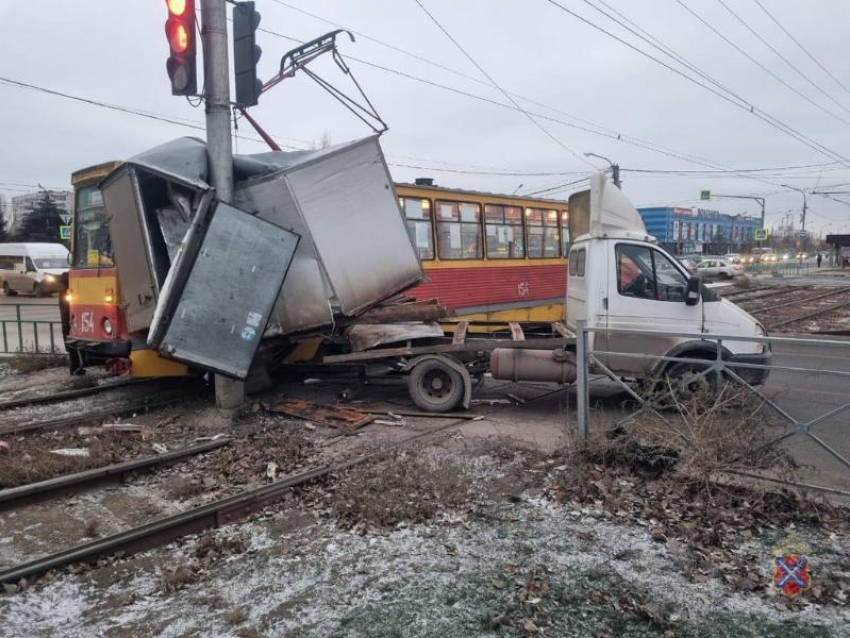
x=753 y=376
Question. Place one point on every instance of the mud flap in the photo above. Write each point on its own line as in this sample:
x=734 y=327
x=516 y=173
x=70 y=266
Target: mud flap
x=454 y=365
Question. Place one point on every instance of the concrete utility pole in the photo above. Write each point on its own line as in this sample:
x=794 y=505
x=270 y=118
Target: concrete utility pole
x=229 y=393
x=801 y=242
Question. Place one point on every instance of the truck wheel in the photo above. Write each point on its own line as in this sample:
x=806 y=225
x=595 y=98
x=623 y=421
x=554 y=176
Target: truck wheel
x=38 y=291
x=687 y=383
x=8 y=291
x=435 y=386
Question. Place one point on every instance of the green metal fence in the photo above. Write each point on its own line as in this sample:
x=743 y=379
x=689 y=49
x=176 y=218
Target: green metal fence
x=784 y=268
x=31 y=328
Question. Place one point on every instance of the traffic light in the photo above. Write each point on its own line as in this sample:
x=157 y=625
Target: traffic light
x=246 y=53
x=181 y=34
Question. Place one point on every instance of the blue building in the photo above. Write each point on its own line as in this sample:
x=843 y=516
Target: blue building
x=699 y=230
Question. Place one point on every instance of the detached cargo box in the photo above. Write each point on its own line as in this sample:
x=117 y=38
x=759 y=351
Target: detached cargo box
x=191 y=267
x=355 y=249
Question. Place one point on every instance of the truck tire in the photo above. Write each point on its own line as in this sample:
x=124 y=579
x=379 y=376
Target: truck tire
x=687 y=382
x=7 y=290
x=38 y=291
x=435 y=386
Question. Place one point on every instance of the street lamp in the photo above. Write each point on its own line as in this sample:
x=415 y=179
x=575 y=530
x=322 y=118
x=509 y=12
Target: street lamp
x=760 y=200
x=615 y=168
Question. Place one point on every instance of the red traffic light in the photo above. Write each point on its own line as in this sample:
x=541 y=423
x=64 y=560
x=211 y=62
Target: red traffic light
x=178 y=36
x=176 y=7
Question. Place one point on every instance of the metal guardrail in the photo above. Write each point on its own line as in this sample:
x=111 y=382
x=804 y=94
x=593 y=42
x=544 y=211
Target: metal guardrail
x=588 y=362
x=22 y=334
x=786 y=268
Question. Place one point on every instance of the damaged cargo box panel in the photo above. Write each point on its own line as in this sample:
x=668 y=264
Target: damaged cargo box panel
x=231 y=286
x=355 y=250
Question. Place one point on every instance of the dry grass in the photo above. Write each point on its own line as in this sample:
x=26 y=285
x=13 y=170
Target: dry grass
x=26 y=363
x=709 y=434
x=91 y=529
x=411 y=486
x=236 y=616
x=30 y=460
x=176 y=578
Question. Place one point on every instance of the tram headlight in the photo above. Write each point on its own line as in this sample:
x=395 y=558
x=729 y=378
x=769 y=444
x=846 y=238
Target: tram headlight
x=107 y=326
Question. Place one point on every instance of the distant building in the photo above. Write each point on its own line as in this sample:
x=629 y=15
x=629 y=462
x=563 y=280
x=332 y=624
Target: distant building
x=699 y=230
x=21 y=204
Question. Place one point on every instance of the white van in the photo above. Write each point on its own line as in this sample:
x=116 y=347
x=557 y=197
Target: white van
x=620 y=278
x=32 y=268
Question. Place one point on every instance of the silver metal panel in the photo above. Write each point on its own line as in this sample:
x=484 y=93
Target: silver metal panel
x=269 y=199
x=130 y=244
x=231 y=289
x=347 y=201
x=183 y=161
x=367 y=336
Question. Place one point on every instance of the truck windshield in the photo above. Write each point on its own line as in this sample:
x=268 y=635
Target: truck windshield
x=92 y=244
x=45 y=263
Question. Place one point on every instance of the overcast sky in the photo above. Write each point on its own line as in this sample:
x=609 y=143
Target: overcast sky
x=115 y=51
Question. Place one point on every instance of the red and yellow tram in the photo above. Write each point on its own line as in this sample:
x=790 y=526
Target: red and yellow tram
x=489 y=257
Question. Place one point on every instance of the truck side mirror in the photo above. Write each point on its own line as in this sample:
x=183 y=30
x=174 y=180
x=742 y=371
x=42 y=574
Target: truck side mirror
x=693 y=294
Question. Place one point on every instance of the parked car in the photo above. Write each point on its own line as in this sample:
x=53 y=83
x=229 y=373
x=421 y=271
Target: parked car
x=719 y=268
x=32 y=268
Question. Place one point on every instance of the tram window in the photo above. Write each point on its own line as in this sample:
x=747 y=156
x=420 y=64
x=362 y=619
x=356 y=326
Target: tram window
x=417 y=212
x=543 y=230
x=503 y=229
x=565 y=233
x=92 y=244
x=459 y=230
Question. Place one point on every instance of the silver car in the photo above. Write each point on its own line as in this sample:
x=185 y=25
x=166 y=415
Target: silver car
x=719 y=269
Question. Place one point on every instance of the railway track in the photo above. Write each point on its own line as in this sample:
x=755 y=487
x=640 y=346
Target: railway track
x=68 y=395
x=798 y=302
x=221 y=512
x=810 y=315
x=744 y=296
x=30 y=493
x=144 y=403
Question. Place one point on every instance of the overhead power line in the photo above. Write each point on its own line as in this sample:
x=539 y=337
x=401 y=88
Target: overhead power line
x=496 y=84
x=804 y=49
x=781 y=56
x=760 y=113
x=598 y=129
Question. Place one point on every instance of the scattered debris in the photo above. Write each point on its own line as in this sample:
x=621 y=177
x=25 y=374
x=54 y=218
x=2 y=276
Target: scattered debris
x=332 y=416
x=71 y=451
x=159 y=448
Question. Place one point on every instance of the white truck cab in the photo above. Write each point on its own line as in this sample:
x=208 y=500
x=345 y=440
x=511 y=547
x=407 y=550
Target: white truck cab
x=619 y=278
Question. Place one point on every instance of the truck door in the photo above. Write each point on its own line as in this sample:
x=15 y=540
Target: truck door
x=647 y=290
x=220 y=297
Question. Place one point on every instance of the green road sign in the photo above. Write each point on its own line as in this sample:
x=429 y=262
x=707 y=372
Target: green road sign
x=705 y=195
x=761 y=234
x=64 y=232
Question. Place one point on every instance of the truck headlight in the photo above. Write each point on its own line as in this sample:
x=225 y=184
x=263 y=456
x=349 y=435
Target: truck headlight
x=49 y=279
x=107 y=326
